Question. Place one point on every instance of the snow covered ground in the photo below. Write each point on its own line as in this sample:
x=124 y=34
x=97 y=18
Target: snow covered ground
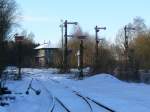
x=106 y=89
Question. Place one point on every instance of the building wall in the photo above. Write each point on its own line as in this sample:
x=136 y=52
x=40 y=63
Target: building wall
x=46 y=57
x=42 y=61
x=41 y=53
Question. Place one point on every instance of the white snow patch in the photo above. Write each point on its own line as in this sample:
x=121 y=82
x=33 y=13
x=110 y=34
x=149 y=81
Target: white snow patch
x=104 y=88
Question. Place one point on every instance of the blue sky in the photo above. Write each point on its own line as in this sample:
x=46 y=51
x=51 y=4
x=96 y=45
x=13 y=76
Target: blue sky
x=42 y=17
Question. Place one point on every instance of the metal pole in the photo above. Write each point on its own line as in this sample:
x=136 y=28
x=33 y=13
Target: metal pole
x=65 y=64
x=62 y=33
x=81 y=59
x=62 y=39
x=97 y=29
x=65 y=47
x=19 y=61
x=126 y=48
x=96 y=45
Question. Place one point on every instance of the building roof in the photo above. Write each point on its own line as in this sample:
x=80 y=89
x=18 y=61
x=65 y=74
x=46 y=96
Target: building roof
x=45 y=46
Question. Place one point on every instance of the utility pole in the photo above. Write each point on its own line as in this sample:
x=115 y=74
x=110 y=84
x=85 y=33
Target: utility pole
x=81 y=52
x=126 y=48
x=18 y=40
x=127 y=70
x=65 y=64
x=65 y=47
x=126 y=45
x=62 y=39
x=97 y=29
x=81 y=59
x=62 y=33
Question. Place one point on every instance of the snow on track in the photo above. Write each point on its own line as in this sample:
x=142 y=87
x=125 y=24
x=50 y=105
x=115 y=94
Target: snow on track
x=62 y=105
x=69 y=99
x=59 y=104
x=103 y=88
x=31 y=102
x=89 y=101
x=93 y=105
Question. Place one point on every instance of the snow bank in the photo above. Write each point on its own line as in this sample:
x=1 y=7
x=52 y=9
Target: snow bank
x=118 y=95
x=2 y=109
x=104 y=88
x=101 y=78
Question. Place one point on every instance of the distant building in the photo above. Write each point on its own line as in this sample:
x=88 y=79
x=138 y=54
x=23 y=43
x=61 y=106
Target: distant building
x=46 y=55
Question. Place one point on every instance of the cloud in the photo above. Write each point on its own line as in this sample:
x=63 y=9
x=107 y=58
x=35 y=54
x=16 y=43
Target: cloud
x=35 y=18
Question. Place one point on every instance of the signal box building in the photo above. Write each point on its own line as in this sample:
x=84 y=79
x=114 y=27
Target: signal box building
x=46 y=55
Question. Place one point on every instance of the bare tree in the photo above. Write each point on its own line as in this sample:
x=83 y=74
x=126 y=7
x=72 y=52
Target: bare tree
x=140 y=28
x=8 y=13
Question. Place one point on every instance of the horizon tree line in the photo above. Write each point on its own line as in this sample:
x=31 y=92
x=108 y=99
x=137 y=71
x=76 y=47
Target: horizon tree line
x=110 y=58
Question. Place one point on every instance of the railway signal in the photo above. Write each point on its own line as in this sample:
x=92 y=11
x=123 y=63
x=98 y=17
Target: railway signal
x=80 y=55
x=19 y=40
x=127 y=64
x=126 y=44
x=65 y=63
x=62 y=33
x=62 y=39
x=97 y=29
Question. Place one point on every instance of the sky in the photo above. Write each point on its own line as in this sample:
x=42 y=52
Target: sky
x=43 y=17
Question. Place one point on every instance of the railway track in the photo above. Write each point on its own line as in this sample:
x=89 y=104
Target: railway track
x=87 y=99
x=65 y=107
x=67 y=110
x=91 y=110
x=99 y=104
x=54 y=98
x=84 y=98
